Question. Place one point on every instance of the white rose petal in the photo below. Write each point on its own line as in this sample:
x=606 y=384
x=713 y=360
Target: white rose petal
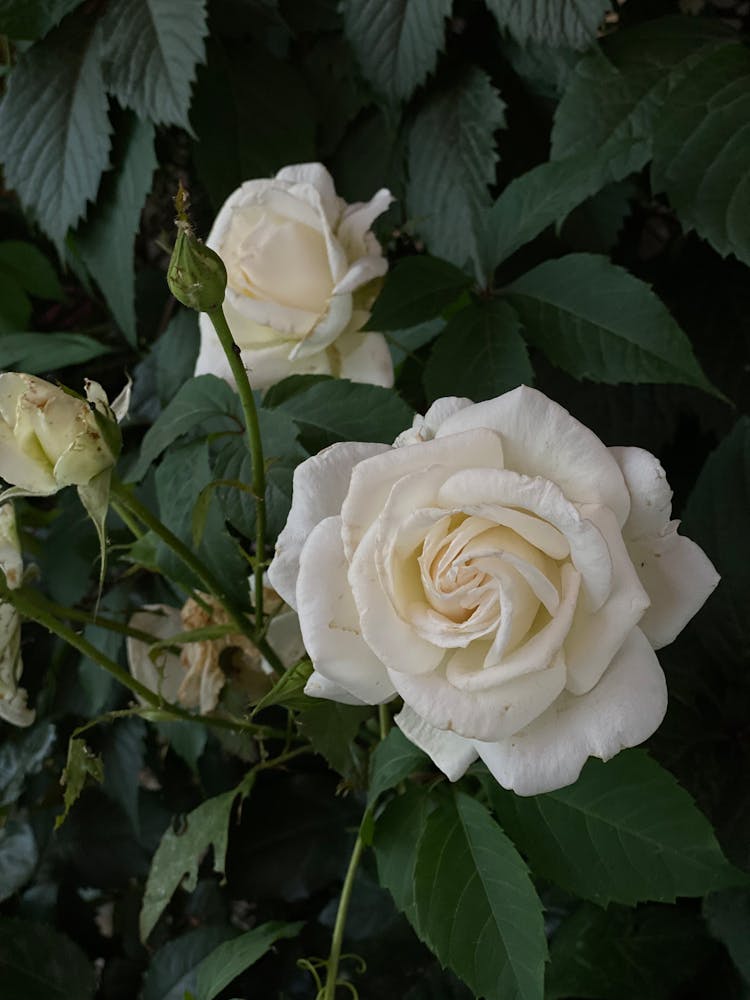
x=503 y=572
x=301 y=267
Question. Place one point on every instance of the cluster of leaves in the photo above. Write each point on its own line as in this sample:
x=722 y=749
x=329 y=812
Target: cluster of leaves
x=571 y=180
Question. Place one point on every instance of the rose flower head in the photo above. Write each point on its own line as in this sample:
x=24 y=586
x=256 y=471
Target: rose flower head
x=303 y=269
x=50 y=439
x=502 y=571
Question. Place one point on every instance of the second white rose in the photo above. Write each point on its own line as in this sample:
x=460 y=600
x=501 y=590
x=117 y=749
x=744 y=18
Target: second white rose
x=302 y=272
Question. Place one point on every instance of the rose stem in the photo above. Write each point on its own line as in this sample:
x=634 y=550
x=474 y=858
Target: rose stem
x=332 y=965
x=26 y=603
x=255 y=444
x=131 y=503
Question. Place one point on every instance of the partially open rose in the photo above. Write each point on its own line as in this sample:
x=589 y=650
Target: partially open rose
x=303 y=269
x=503 y=572
x=50 y=439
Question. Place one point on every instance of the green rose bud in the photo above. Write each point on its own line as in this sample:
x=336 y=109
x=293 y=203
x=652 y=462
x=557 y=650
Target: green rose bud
x=196 y=275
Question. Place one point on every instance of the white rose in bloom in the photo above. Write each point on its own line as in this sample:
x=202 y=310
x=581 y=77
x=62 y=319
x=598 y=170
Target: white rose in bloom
x=505 y=573
x=13 y=707
x=301 y=269
x=49 y=439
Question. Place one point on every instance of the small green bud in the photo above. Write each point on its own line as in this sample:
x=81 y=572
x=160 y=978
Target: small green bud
x=196 y=275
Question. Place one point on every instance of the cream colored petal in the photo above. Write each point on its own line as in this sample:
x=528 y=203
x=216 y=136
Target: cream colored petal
x=357 y=220
x=319 y=686
x=650 y=493
x=33 y=474
x=484 y=491
x=315 y=175
x=11 y=561
x=624 y=709
x=13 y=708
x=678 y=577
x=481 y=715
x=360 y=272
x=542 y=439
x=425 y=427
x=319 y=486
x=595 y=638
x=451 y=753
x=364 y=357
x=166 y=675
x=330 y=326
x=285 y=637
x=329 y=620
x=372 y=480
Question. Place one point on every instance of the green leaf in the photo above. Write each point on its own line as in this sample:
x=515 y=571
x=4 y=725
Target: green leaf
x=281 y=454
x=394 y=759
x=347 y=411
x=641 y=66
x=728 y=917
x=288 y=689
x=38 y=353
x=596 y=321
x=624 y=832
x=716 y=518
x=544 y=196
x=81 y=763
x=452 y=159
x=179 y=854
x=231 y=958
x=187 y=739
x=21 y=757
x=397 y=42
x=31 y=19
x=554 y=22
x=702 y=150
x=18 y=856
x=38 y=963
x=54 y=127
x=106 y=242
x=180 y=477
x=122 y=755
x=619 y=954
x=31 y=269
x=476 y=905
x=404 y=343
x=206 y=402
x=331 y=728
x=480 y=354
x=151 y=51
x=166 y=368
x=397 y=832
x=251 y=117
x=416 y=290
x=173 y=972
x=15 y=307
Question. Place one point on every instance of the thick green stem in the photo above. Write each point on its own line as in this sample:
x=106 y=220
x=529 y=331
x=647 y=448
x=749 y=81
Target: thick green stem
x=130 y=502
x=384 y=720
x=255 y=444
x=334 y=956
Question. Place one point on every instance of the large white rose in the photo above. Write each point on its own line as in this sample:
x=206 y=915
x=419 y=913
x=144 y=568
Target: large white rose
x=50 y=439
x=301 y=277
x=503 y=572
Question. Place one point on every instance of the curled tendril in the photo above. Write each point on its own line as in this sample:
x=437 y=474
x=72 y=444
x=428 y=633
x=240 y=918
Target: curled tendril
x=360 y=966
x=312 y=965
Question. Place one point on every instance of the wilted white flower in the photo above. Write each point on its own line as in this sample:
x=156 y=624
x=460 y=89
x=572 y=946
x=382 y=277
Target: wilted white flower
x=12 y=697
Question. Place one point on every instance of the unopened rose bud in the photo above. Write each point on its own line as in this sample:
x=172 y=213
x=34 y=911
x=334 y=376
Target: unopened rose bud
x=196 y=275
